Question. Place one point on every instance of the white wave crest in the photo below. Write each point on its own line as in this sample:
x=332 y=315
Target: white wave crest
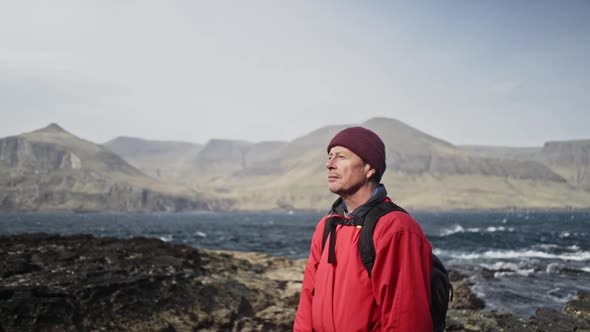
x=166 y=238
x=449 y=231
x=501 y=266
x=546 y=246
x=459 y=229
x=499 y=229
x=524 y=273
x=509 y=269
x=554 y=268
x=578 y=256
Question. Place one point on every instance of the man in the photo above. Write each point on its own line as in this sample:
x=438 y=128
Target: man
x=337 y=293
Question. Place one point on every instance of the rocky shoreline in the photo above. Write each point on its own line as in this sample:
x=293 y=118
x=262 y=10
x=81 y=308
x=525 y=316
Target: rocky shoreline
x=85 y=283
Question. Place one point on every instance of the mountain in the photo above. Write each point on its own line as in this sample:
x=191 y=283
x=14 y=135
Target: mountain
x=503 y=152
x=412 y=152
x=568 y=159
x=183 y=162
x=159 y=159
x=422 y=172
x=229 y=156
x=137 y=147
x=51 y=169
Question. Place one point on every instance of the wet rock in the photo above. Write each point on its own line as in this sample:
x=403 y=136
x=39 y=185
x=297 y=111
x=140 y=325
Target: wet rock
x=465 y=310
x=455 y=275
x=579 y=306
x=480 y=321
x=82 y=283
x=546 y=319
x=463 y=296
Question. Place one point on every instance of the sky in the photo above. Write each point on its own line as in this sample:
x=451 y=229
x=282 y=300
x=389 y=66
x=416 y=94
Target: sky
x=503 y=73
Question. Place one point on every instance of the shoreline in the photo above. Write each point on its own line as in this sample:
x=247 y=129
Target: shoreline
x=309 y=211
x=58 y=282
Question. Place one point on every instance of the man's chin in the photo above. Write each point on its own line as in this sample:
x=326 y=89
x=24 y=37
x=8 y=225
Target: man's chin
x=334 y=189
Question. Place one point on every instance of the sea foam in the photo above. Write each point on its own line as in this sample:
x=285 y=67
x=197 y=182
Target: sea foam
x=578 y=256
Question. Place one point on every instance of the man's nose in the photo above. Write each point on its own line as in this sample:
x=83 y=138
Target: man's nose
x=330 y=164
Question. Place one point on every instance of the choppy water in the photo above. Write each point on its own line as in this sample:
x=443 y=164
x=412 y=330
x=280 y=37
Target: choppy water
x=518 y=261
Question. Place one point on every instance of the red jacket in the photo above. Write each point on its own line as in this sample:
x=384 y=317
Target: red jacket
x=341 y=297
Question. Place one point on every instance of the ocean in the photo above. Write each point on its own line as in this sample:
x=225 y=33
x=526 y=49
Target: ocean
x=518 y=261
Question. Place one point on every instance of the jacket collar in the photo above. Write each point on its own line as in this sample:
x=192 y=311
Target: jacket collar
x=378 y=196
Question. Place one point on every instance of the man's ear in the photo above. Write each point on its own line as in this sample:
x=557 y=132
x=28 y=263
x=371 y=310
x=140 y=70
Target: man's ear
x=371 y=171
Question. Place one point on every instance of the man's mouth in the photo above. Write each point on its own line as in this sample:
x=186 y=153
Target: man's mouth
x=332 y=178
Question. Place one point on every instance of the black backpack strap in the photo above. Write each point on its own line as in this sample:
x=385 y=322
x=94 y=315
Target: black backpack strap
x=441 y=291
x=366 y=244
x=330 y=228
x=328 y=224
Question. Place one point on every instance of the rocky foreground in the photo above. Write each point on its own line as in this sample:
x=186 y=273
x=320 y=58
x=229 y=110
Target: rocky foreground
x=84 y=283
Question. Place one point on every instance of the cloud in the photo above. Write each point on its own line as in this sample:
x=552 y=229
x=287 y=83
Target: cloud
x=185 y=70
x=503 y=92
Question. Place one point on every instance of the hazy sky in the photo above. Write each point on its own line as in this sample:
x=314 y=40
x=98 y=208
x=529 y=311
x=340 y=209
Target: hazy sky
x=513 y=73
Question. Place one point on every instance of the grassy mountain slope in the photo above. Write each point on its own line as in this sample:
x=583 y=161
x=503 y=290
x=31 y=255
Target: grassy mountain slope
x=159 y=159
x=423 y=172
x=51 y=169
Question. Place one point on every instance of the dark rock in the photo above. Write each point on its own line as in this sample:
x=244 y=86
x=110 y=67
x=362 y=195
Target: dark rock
x=453 y=325
x=17 y=265
x=80 y=283
x=455 y=275
x=464 y=298
x=549 y=320
x=475 y=320
x=545 y=320
x=83 y=283
x=508 y=322
x=579 y=306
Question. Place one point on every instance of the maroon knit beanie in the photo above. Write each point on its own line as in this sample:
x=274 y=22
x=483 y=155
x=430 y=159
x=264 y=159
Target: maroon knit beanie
x=364 y=143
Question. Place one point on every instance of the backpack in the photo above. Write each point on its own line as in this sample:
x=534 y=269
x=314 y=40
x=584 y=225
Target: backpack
x=440 y=287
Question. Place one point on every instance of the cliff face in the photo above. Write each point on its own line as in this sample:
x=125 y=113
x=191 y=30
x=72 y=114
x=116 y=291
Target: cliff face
x=57 y=195
x=569 y=159
x=51 y=169
x=27 y=157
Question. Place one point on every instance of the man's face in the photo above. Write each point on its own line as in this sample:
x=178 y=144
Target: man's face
x=347 y=172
